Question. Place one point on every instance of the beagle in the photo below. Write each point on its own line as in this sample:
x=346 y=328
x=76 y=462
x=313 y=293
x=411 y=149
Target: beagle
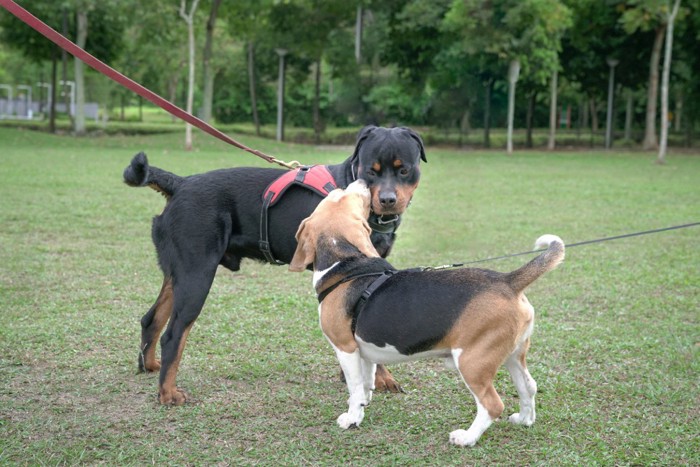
x=475 y=319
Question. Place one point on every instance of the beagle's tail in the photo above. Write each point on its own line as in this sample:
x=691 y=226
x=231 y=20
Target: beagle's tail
x=546 y=261
x=139 y=173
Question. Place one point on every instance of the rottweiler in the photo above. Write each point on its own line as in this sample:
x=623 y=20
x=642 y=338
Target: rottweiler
x=220 y=217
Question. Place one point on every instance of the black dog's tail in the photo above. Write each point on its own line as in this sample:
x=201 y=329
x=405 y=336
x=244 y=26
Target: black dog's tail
x=139 y=173
x=546 y=261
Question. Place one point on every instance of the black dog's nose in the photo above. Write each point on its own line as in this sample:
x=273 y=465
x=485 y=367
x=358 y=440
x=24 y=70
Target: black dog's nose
x=387 y=200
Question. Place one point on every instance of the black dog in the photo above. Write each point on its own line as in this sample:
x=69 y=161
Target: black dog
x=219 y=217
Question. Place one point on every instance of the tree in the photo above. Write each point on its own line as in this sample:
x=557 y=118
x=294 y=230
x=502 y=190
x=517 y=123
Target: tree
x=313 y=22
x=105 y=41
x=81 y=39
x=188 y=17
x=249 y=22
x=35 y=46
x=649 y=15
x=208 y=74
x=672 y=13
x=524 y=34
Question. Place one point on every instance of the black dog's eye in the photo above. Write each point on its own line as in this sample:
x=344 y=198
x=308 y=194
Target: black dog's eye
x=371 y=173
x=403 y=171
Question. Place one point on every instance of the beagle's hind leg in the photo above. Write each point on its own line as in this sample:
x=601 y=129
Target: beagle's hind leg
x=478 y=375
x=525 y=384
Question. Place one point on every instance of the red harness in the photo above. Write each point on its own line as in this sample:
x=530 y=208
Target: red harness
x=316 y=178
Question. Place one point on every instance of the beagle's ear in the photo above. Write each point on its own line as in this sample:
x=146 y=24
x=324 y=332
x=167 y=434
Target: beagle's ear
x=306 y=250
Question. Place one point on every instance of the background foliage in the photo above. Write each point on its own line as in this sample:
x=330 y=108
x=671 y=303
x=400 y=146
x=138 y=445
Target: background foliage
x=421 y=63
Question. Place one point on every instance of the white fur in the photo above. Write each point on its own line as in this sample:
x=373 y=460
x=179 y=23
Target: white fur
x=359 y=376
x=527 y=388
x=545 y=240
x=389 y=353
x=480 y=424
x=358 y=186
x=318 y=275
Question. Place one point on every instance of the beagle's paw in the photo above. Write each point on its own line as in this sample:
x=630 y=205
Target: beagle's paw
x=464 y=438
x=524 y=418
x=348 y=420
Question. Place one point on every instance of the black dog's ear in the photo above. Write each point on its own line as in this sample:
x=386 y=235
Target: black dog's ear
x=418 y=139
x=361 y=137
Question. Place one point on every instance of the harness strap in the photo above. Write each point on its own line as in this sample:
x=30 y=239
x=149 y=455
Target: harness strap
x=264 y=243
x=378 y=282
x=330 y=289
x=316 y=178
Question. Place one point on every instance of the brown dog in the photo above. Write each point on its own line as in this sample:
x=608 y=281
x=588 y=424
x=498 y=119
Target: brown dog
x=475 y=319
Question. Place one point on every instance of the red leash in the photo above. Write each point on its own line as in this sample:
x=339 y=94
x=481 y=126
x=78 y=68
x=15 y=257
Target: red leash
x=52 y=35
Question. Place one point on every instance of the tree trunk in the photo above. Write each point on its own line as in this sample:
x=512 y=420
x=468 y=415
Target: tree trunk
x=661 y=158
x=280 y=94
x=64 y=70
x=189 y=19
x=594 y=116
x=464 y=125
x=81 y=38
x=251 y=86
x=529 y=118
x=678 y=113
x=487 y=113
x=317 y=103
x=584 y=114
x=513 y=74
x=358 y=35
x=553 y=111
x=54 y=85
x=628 y=116
x=207 y=72
x=650 y=140
x=172 y=89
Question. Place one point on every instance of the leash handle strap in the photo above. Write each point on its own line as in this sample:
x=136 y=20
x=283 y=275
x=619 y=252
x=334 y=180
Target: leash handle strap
x=52 y=35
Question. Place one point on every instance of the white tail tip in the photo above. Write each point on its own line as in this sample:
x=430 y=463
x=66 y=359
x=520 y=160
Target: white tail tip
x=545 y=240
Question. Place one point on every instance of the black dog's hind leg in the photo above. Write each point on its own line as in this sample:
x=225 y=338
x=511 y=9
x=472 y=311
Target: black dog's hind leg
x=152 y=324
x=190 y=290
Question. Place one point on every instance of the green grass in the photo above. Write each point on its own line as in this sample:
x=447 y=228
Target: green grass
x=615 y=348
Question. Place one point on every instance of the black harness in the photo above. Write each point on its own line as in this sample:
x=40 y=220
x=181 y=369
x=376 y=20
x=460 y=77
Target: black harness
x=381 y=278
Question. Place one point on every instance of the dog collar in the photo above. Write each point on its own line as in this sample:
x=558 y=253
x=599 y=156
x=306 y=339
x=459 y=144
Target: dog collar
x=383 y=224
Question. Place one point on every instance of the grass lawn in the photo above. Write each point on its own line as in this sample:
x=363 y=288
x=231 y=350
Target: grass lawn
x=615 y=348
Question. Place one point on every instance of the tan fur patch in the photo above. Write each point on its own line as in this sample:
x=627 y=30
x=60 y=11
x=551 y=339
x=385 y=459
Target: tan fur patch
x=487 y=332
x=336 y=324
x=164 y=308
x=169 y=393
